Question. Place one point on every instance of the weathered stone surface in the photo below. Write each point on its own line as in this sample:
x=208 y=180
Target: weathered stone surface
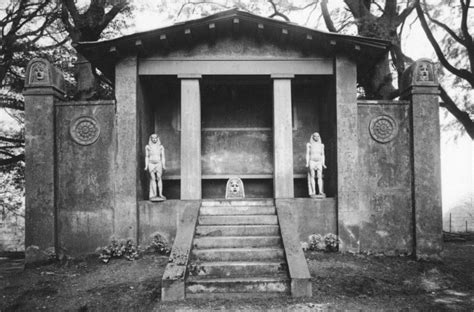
x=190 y=138
x=313 y=216
x=421 y=86
x=347 y=154
x=385 y=180
x=297 y=266
x=126 y=164
x=172 y=287
x=85 y=179
x=43 y=90
x=41 y=73
x=282 y=137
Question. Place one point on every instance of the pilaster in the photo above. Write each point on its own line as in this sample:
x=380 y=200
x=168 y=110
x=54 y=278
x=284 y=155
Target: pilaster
x=345 y=72
x=44 y=86
x=420 y=86
x=282 y=136
x=126 y=94
x=191 y=186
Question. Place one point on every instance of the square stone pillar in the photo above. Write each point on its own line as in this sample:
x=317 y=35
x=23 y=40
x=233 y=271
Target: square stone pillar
x=44 y=86
x=345 y=72
x=282 y=137
x=421 y=87
x=126 y=165
x=191 y=187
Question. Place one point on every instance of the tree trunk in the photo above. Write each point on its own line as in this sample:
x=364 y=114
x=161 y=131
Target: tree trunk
x=86 y=80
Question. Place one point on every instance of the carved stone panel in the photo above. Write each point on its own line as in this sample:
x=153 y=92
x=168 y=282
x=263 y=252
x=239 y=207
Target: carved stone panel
x=234 y=189
x=41 y=73
x=84 y=130
x=383 y=128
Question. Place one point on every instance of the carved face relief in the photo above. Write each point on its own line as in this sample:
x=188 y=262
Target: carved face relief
x=235 y=188
x=38 y=72
x=424 y=72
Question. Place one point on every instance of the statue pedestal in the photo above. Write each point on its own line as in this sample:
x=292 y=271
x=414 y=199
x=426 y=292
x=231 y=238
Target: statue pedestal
x=157 y=199
x=318 y=196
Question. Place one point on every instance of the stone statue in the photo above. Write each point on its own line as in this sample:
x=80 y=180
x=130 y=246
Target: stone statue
x=155 y=164
x=234 y=189
x=315 y=162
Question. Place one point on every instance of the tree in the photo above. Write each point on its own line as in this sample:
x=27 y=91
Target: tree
x=23 y=25
x=88 y=24
x=456 y=54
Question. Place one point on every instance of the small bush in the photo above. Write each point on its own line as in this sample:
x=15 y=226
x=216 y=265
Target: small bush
x=118 y=249
x=158 y=245
x=329 y=242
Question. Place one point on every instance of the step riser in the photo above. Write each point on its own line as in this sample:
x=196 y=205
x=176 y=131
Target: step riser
x=222 y=270
x=236 y=242
x=237 y=287
x=255 y=230
x=226 y=255
x=237 y=210
x=241 y=220
x=236 y=295
x=222 y=203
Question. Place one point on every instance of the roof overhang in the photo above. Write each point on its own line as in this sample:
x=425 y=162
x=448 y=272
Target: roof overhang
x=366 y=52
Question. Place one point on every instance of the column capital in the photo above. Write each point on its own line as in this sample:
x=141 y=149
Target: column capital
x=189 y=76
x=419 y=78
x=42 y=75
x=282 y=76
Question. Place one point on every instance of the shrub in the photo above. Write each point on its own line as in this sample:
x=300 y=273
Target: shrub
x=329 y=242
x=118 y=249
x=159 y=245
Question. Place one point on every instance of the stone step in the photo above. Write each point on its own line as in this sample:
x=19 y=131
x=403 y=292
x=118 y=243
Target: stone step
x=237 y=210
x=244 y=219
x=239 y=254
x=258 y=284
x=238 y=268
x=237 y=230
x=238 y=202
x=237 y=295
x=236 y=241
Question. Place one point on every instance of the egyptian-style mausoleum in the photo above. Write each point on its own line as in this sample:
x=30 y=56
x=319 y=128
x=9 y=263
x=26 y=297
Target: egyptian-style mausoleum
x=233 y=95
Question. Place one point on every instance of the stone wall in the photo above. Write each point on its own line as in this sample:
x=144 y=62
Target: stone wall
x=385 y=199
x=85 y=148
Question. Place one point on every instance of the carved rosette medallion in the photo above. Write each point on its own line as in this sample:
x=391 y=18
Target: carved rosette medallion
x=85 y=130
x=383 y=129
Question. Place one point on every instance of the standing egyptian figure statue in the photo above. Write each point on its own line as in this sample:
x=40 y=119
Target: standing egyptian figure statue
x=155 y=164
x=315 y=162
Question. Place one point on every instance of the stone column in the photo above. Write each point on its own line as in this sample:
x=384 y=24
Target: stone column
x=282 y=136
x=421 y=87
x=44 y=85
x=126 y=164
x=345 y=72
x=190 y=137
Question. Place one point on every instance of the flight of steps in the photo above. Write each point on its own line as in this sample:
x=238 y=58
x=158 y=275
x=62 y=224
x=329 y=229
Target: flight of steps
x=237 y=251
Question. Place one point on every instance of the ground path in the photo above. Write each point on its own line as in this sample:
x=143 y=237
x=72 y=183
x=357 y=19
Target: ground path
x=339 y=282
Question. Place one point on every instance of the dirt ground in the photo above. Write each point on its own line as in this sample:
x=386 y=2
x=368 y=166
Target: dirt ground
x=340 y=281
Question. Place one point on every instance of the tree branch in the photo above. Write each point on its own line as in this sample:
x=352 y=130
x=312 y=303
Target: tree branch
x=461 y=116
x=327 y=16
x=12 y=160
x=462 y=73
x=11 y=140
x=276 y=12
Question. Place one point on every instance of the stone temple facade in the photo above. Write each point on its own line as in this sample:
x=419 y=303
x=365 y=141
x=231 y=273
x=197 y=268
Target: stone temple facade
x=233 y=95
